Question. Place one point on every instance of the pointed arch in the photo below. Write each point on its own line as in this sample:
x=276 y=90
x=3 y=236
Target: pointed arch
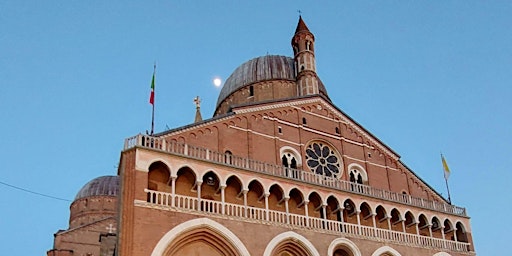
x=441 y=254
x=233 y=190
x=256 y=194
x=365 y=214
x=296 y=202
x=333 y=208
x=345 y=245
x=159 y=176
x=349 y=212
x=315 y=205
x=385 y=251
x=291 y=241
x=276 y=198
x=186 y=181
x=357 y=174
x=461 y=232
x=218 y=234
x=381 y=217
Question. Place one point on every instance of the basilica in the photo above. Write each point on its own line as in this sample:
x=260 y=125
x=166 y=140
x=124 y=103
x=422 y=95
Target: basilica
x=279 y=170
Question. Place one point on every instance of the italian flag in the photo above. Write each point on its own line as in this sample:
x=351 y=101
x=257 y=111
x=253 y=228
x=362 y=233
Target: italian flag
x=152 y=95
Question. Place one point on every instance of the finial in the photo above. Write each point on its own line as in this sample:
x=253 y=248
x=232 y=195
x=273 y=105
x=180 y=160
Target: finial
x=198 y=117
x=197 y=101
x=300 y=12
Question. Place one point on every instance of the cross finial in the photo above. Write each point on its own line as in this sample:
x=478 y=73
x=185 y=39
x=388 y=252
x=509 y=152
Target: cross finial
x=300 y=12
x=110 y=228
x=197 y=101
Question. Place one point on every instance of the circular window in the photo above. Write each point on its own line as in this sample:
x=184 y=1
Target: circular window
x=323 y=160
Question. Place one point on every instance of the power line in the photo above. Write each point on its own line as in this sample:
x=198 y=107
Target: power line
x=33 y=192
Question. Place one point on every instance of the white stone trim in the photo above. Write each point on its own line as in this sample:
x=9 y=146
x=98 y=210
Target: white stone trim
x=344 y=242
x=358 y=167
x=292 y=236
x=295 y=153
x=441 y=254
x=386 y=249
x=197 y=223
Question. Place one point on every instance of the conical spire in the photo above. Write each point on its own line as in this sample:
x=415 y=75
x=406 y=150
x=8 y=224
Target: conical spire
x=301 y=26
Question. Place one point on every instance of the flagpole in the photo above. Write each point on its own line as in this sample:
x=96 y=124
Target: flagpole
x=153 y=112
x=448 y=189
x=446 y=169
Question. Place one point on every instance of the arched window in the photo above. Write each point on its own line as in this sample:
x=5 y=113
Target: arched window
x=290 y=157
x=228 y=157
x=357 y=174
x=461 y=233
x=410 y=223
x=158 y=177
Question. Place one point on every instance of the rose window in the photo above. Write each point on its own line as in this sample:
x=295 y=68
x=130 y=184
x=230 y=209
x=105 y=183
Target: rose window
x=321 y=159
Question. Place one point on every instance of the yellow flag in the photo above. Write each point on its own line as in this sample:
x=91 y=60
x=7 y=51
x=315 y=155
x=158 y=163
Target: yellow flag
x=445 y=167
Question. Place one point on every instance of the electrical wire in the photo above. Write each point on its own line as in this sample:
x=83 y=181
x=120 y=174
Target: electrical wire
x=33 y=192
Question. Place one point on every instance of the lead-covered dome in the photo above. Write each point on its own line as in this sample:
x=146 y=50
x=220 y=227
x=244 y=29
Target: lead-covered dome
x=269 y=67
x=262 y=79
x=101 y=186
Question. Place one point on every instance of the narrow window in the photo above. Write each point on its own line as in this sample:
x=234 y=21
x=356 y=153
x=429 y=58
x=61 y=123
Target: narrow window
x=285 y=161
x=279 y=129
x=304 y=120
x=228 y=157
x=251 y=90
x=337 y=129
x=293 y=163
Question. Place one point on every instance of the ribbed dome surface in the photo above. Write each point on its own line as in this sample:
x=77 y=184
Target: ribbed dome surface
x=262 y=68
x=101 y=186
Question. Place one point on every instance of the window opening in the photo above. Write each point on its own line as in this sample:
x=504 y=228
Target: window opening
x=293 y=163
x=285 y=161
x=228 y=157
x=304 y=121
x=251 y=90
x=355 y=173
x=322 y=160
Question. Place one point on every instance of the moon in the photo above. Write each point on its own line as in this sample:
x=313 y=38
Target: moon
x=217 y=82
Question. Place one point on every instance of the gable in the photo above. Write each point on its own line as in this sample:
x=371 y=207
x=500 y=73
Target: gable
x=261 y=132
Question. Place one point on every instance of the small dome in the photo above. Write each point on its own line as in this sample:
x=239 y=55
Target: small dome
x=269 y=67
x=101 y=186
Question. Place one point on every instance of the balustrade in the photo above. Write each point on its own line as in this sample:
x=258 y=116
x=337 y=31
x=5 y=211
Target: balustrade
x=186 y=150
x=187 y=203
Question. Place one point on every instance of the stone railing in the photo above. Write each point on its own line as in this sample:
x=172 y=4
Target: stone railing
x=194 y=152
x=248 y=213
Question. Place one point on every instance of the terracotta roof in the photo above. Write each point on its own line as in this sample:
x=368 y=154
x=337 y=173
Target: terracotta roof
x=301 y=26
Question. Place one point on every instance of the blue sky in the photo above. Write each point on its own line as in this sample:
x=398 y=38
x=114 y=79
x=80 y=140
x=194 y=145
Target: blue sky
x=423 y=76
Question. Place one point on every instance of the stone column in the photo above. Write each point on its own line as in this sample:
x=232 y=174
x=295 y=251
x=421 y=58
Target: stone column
x=306 y=212
x=287 y=210
x=173 y=190
x=267 y=217
x=358 y=221
x=223 y=199
x=245 y=201
x=198 y=185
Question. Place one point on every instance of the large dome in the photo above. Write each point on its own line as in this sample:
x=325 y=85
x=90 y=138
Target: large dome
x=269 y=67
x=101 y=186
